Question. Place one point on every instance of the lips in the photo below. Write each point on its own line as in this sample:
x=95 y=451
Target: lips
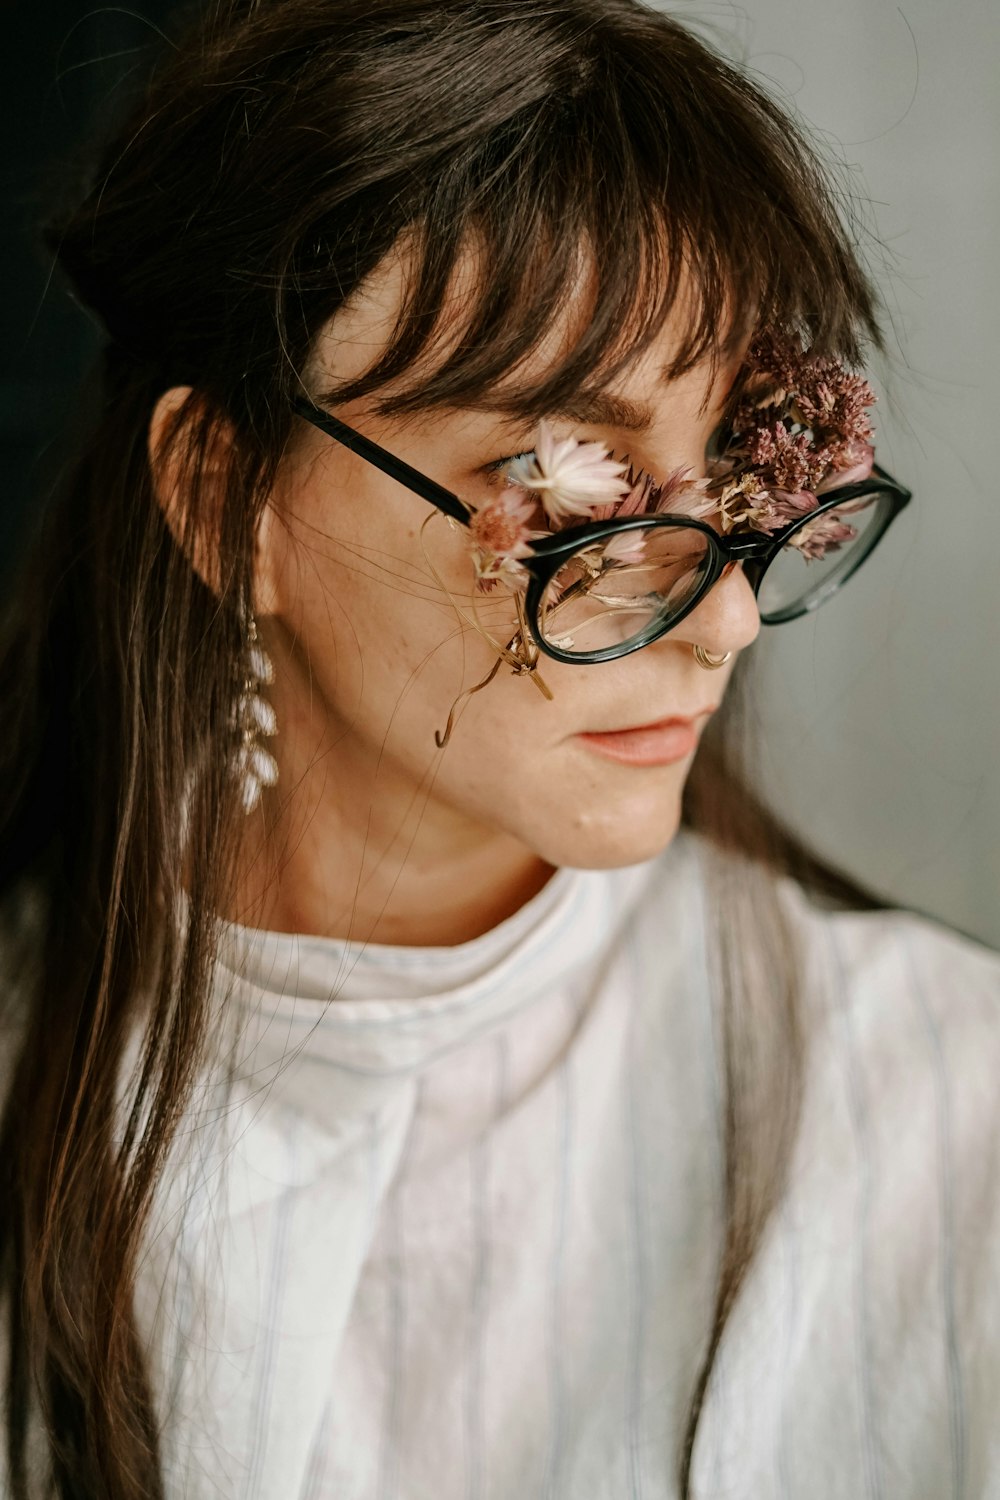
x=661 y=743
x=700 y=713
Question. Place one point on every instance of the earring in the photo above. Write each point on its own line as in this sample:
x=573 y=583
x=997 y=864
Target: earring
x=703 y=658
x=253 y=764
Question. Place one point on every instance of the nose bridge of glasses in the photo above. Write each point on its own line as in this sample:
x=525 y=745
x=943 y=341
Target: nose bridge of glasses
x=746 y=548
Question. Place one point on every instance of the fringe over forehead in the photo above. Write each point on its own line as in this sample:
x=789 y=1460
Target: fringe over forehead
x=609 y=142
x=288 y=145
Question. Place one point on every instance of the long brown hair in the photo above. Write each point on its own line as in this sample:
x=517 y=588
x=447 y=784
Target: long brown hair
x=275 y=157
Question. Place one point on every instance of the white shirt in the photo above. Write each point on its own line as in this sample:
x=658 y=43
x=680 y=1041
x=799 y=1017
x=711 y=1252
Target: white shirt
x=454 y=1234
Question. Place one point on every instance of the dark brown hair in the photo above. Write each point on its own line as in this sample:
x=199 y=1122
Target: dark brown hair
x=275 y=158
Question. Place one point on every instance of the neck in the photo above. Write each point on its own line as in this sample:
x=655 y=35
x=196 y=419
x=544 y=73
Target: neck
x=361 y=853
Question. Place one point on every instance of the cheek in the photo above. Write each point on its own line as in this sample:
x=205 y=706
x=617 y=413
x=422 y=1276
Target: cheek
x=514 y=764
x=385 y=614
x=386 y=656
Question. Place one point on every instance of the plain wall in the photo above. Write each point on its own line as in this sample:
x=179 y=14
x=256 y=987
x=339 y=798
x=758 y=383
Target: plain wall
x=879 y=714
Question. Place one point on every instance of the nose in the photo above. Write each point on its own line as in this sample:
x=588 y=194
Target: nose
x=727 y=619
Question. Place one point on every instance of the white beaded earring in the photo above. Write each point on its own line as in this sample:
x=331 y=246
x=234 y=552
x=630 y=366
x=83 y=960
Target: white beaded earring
x=253 y=764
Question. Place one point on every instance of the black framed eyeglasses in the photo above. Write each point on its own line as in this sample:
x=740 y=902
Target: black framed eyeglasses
x=606 y=588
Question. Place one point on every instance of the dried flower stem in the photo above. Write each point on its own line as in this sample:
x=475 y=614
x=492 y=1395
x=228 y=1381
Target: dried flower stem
x=442 y=739
x=519 y=655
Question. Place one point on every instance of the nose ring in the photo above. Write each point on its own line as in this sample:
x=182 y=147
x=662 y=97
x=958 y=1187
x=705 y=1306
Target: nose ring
x=703 y=659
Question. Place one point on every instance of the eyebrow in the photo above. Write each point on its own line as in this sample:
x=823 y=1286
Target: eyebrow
x=601 y=409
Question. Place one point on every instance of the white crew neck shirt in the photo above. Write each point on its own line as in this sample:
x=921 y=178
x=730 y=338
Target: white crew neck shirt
x=452 y=1232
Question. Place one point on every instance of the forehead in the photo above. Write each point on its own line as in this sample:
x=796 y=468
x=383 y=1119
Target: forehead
x=366 y=326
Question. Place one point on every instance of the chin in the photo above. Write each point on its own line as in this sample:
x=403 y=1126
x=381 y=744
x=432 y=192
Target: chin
x=617 y=837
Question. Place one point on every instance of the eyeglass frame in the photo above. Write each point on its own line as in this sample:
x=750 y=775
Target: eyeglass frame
x=754 y=551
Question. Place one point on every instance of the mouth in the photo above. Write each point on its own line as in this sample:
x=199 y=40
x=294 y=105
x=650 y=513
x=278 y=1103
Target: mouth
x=662 y=743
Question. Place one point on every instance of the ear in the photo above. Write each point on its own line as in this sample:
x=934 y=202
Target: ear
x=175 y=427
x=176 y=418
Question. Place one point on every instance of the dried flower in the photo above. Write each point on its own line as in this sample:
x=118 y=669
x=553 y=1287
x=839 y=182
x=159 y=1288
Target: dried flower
x=800 y=429
x=569 y=477
x=491 y=572
x=826 y=534
x=803 y=418
x=790 y=461
x=501 y=535
x=858 y=464
x=639 y=488
x=680 y=495
x=625 y=547
x=500 y=528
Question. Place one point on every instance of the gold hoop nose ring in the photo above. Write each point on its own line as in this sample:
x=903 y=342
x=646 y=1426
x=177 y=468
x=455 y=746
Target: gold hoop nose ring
x=703 y=659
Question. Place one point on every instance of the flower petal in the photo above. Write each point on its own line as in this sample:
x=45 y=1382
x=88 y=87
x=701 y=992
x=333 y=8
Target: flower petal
x=570 y=478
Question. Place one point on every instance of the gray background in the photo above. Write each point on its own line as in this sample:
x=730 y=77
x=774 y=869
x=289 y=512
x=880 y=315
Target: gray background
x=879 y=717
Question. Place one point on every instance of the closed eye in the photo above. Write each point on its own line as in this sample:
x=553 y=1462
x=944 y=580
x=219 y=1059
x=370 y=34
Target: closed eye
x=497 y=464
x=719 y=441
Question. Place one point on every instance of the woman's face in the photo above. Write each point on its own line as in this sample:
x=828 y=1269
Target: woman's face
x=370 y=654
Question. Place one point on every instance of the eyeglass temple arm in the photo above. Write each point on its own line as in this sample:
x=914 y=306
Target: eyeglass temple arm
x=395 y=467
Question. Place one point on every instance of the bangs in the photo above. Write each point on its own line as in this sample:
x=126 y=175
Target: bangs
x=650 y=181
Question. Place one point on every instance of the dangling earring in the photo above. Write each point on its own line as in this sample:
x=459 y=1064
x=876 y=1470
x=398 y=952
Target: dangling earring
x=253 y=764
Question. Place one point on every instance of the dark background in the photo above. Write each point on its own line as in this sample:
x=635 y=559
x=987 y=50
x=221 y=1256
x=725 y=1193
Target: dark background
x=67 y=69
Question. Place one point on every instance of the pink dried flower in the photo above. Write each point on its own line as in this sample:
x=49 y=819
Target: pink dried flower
x=677 y=494
x=835 y=402
x=743 y=500
x=500 y=528
x=790 y=461
x=803 y=422
x=762 y=514
x=786 y=507
x=570 y=478
x=826 y=533
x=776 y=358
x=635 y=501
x=490 y=573
x=501 y=536
x=857 y=465
x=626 y=547
x=680 y=495
x=747 y=503
x=801 y=427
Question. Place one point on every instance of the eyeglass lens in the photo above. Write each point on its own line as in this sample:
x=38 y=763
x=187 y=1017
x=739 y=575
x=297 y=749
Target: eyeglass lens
x=613 y=592
x=821 y=555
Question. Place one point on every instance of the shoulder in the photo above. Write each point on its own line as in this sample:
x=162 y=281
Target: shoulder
x=875 y=1294
x=902 y=1108
x=862 y=955
x=891 y=965
x=902 y=1015
x=900 y=1022
x=866 y=956
x=896 y=945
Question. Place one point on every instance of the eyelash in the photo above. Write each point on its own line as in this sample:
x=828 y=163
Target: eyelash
x=497 y=464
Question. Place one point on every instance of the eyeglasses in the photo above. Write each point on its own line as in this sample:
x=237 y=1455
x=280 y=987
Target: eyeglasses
x=606 y=588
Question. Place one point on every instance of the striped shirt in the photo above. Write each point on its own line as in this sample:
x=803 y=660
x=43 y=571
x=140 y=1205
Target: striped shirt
x=454 y=1235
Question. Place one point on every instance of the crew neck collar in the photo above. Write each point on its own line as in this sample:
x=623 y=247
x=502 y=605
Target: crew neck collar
x=382 y=1009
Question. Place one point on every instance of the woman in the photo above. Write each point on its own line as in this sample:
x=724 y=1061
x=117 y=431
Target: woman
x=398 y=1104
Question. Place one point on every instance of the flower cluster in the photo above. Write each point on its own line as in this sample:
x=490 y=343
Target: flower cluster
x=800 y=427
x=564 y=483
